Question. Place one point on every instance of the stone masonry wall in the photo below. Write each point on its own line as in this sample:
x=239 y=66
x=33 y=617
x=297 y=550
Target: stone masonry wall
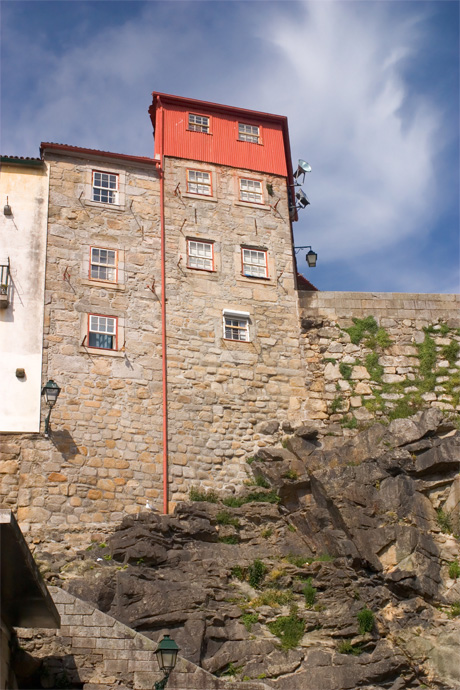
x=96 y=652
x=220 y=391
x=103 y=457
x=402 y=354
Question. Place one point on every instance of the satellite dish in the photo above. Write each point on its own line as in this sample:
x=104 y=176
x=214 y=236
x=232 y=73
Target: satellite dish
x=302 y=168
x=302 y=198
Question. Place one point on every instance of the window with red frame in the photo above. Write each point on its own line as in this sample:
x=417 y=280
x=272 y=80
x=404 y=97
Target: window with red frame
x=102 y=332
x=251 y=190
x=103 y=264
x=199 y=182
x=254 y=262
x=200 y=255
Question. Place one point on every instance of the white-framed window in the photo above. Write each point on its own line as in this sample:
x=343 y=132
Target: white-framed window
x=254 y=262
x=200 y=255
x=251 y=190
x=199 y=182
x=104 y=187
x=248 y=133
x=102 y=332
x=103 y=264
x=198 y=123
x=236 y=325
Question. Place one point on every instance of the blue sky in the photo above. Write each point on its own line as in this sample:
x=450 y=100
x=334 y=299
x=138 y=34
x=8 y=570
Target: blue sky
x=371 y=90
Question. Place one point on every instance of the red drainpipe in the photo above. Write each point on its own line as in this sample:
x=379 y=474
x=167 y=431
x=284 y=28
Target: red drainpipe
x=163 y=317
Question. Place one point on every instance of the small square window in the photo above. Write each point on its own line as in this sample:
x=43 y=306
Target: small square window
x=103 y=264
x=102 y=332
x=198 y=123
x=249 y=133
x=199 y=182
x=251 y=190
x=236 y=327
x=200 y=255
x=105 y=187
x=254 y=262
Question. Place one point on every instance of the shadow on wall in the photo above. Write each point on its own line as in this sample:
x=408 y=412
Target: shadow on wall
x=64 y=443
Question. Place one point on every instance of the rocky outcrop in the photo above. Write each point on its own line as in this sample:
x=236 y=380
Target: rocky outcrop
x=272 y=582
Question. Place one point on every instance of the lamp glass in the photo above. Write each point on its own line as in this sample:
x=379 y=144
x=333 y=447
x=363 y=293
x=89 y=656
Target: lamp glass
x=311 y=258
x=51 y=392
x=166 y=654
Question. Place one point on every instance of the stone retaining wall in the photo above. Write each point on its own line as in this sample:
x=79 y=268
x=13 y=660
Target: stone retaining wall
x=410 y=361
x=96 y=652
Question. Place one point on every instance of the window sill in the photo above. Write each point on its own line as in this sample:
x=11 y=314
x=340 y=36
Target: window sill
x=195 y=131
x=256 y=143
x=254 y=279
x=249 y=204
x=103 y=284
x=201 y=270
x=99 y=204
x=100 y=351
x=204 y=197
x=237 y=342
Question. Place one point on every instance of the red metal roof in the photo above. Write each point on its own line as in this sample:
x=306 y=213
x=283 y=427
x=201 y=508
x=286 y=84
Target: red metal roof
x=108 y=154
x=221 y=145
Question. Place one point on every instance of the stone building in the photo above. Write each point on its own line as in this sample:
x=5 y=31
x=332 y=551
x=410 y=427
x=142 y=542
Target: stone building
x=170 y=315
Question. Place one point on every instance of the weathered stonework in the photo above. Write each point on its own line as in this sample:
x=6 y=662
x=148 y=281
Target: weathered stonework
x=346 y=388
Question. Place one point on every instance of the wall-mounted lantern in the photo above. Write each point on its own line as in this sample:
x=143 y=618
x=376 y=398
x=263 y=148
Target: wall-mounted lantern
x=51 y=392
x=7 y=209
x=311 y=256
x=166 y=654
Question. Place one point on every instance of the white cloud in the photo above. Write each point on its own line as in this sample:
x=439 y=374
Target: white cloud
x=372 y=172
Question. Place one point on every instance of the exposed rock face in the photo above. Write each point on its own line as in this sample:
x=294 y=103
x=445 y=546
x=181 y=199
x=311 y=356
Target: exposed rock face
x=366 y=525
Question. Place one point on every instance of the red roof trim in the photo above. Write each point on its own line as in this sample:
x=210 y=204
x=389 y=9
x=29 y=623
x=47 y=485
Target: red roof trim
x=95 y=152
x=218 y=107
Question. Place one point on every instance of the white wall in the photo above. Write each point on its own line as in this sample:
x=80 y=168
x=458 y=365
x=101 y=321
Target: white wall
x=23 y=240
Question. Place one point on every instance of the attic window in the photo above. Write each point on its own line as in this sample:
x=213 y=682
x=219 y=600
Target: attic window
x=198 y=123
x=249 y=133
x=105 y=187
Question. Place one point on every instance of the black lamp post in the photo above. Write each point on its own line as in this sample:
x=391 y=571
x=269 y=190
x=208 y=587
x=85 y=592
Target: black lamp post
x=166 y=654
x=51 y=392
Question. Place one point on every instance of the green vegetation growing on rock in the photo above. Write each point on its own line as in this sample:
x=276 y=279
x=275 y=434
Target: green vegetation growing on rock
x=444 y=520
x=289 y=629
x=198 y=495
x=262 y=482
x=375 y=369
x=309 y=593
x=345 y=647
x=345 y=370
x=365 y=620
x=450 y=352
x=256 y=573
x=230 y=539
x=454 y=569
x=249 y=619
x=360 y=328
x=336 y=404
x=254 y=496
x=224 y=518
x=273 y=597
x=454 y=610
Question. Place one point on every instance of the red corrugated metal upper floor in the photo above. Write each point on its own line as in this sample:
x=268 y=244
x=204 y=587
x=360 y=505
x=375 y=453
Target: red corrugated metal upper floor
x=213 y=133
